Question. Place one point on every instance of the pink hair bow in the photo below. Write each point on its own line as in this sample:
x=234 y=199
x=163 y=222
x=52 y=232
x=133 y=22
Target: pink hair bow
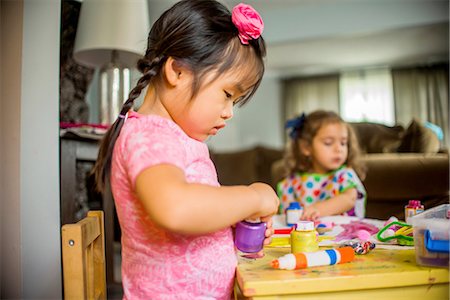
x=247 y=21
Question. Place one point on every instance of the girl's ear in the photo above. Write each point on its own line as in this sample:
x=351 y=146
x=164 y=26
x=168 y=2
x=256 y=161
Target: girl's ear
x=173 y=72
x=305 y=148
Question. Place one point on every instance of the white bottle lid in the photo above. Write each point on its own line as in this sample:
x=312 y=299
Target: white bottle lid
x=305 y=226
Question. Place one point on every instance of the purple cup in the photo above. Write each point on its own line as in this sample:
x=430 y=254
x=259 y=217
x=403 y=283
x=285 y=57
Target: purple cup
x=249 y=236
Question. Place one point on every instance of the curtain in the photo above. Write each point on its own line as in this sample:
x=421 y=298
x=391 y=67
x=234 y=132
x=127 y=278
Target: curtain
x=309 y=94
x=422 y=93
x=367 y=96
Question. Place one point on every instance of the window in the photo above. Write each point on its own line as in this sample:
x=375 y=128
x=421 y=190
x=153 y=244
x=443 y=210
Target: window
x=367 y=96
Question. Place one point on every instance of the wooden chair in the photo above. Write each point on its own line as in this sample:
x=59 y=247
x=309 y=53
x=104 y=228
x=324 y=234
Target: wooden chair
x=83 y=253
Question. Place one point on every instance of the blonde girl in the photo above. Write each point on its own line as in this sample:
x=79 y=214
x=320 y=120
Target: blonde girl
x=176 y=219
x=323 y=167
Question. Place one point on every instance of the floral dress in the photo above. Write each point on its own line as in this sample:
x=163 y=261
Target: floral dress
x=309 y=188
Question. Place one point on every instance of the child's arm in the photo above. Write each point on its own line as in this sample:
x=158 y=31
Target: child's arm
x=333 y=206
x=192 y=208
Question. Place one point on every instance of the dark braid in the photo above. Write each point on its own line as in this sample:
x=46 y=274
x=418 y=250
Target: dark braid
x=103 y=164
x=198 y=34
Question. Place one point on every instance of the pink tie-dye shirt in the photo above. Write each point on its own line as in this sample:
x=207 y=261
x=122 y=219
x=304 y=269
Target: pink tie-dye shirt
x=158 y=264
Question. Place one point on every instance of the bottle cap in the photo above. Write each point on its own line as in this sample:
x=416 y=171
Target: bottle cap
x=414 y=203
x=305 y=226
x=294 y=205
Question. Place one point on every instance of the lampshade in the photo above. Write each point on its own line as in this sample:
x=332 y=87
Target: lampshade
x=112 y=35
x=107 y=25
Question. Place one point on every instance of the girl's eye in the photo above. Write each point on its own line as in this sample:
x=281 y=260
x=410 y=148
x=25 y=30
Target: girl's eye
x=228 y=95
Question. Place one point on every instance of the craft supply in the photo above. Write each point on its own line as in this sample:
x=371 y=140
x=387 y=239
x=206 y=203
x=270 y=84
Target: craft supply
x=359 y=246
x=283 y=230
x=413 y=208
x=403 y=235
x=432 y=236
x=303 y=260
x=293 y=213
x=323 y=227
x=392 y=229
x=351 y=229
x=304 y=238
x=249 y=236
x=363 y=235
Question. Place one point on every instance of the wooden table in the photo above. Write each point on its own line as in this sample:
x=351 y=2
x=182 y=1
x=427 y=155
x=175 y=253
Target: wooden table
x=380 y=274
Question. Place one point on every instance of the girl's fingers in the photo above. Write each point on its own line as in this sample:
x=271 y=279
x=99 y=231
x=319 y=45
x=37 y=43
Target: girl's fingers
x=267 y=219
x=269 y=232
x=267 y=240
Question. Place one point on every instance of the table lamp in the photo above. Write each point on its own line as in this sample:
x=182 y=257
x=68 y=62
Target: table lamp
x=112 y=36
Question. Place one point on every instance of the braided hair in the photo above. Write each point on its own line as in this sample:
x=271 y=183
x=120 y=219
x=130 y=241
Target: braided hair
x=199 y=35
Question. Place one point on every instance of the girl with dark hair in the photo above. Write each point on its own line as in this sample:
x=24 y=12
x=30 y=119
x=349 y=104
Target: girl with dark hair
x=177 y=241
x=323 y=167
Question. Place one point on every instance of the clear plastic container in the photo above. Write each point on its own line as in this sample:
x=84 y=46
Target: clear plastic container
x=431 y=236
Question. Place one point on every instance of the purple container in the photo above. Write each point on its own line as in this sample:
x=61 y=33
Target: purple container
x=250 y=236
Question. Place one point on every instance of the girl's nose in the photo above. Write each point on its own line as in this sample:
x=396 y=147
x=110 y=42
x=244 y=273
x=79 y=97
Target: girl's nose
x=227 y=113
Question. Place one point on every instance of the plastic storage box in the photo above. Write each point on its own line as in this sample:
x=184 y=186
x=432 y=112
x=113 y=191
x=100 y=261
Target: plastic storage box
x=431 y=236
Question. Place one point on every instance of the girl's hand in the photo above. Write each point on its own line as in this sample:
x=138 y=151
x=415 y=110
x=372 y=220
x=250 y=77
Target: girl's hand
x=269 y=200
x=310 y=213
x=268 y=234
x=269 y=229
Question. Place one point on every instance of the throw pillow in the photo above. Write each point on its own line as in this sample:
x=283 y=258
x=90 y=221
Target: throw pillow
x=419 y=139
x=377 y=138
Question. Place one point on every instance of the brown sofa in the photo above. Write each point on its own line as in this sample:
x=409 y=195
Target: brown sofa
x=246 y=166
x=402 y=164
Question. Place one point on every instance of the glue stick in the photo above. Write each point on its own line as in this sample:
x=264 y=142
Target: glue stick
x=303 y=260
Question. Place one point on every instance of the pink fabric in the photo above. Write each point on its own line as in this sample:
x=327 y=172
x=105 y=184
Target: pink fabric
x=157 y=264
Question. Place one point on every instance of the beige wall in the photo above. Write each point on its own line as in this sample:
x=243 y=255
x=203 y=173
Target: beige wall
x=30 y=265
x=11 y=59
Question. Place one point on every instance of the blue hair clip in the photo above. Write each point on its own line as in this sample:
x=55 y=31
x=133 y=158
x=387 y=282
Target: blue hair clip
x=295 y=125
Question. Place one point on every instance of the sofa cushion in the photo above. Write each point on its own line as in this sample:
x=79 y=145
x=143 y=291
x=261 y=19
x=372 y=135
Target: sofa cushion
x=406 y=176
x=246 y=166
x=419 y=139
x=238 y=167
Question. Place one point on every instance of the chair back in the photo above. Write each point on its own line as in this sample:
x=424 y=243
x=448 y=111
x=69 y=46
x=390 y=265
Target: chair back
x=83 y=253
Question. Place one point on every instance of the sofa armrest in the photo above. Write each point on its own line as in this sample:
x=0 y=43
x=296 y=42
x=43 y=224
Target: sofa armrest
x=405 y=176
x=394 y=178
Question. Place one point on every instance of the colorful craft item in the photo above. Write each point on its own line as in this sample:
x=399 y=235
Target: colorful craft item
x=360 y=247
x=304 y=238
x=303 y=260
x=322 y=227
x=363 y=235
x=403 y=235
x=283 y=230
x=413 y=208
x=351 y=230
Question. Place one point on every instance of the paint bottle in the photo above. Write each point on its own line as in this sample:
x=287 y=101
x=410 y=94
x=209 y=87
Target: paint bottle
x=250 y=235
x=293 y=213
x=413 y=208
x=304 y=238
x=303 y=260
